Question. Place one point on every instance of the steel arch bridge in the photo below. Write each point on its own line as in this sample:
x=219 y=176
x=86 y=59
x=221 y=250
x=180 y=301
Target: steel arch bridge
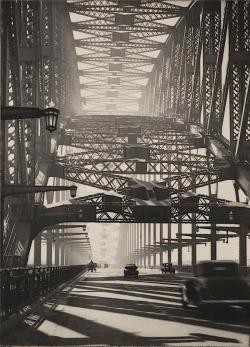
x=154 y=101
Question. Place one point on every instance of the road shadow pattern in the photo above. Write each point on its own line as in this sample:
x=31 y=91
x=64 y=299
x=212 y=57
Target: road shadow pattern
x=150 y=296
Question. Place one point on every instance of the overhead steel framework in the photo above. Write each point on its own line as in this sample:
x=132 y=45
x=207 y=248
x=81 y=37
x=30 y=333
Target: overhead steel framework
x=154 y=99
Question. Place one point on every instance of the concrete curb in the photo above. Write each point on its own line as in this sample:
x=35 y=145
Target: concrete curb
x=23 y=313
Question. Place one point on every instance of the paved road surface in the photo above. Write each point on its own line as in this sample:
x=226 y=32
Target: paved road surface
x=104 y=309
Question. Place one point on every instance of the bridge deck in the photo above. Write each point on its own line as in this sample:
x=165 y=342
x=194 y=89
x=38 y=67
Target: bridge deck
x=104 y=309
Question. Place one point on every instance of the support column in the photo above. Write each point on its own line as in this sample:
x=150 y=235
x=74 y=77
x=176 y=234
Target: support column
x=63 y=192
x=169 y=244
x=134 y=242
x=194 y=230
x=149 y=244
x=213 y=242
x=37 y=250
x=127 y=242
x=179 y=229
x=140 y=242
x=58 y=193
x=161 y=237
x=57 y=251
x=144 y=245
x=180 y=244
x=62 y=254
x=131 y=242
x=154 y=243
x=194 y=247
x=243 y=247
x=66 y=255
x=137 y=243
x=49 y=247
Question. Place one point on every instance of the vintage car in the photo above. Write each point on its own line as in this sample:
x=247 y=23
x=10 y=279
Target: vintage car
x=216 y=283
x=131 y=270
x=167 y=267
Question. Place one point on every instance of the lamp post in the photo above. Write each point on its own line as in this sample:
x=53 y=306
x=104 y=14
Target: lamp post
x=19 y=113
x=15 y=189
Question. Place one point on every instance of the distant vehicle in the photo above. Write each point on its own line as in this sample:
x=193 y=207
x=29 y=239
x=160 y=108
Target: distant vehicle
x=216 y=283
x=167 y=267
x=106 y=266
x=131 y=270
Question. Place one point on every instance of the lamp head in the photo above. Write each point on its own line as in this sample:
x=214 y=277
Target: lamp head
x=51 y=117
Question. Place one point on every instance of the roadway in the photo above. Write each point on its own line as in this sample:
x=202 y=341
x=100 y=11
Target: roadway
x=104 y=309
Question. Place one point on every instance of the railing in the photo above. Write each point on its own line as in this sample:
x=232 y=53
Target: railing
x=21 y=287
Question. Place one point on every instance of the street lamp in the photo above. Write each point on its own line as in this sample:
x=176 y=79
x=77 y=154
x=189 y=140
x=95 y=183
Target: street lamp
x=16 y=113
x=51 y=116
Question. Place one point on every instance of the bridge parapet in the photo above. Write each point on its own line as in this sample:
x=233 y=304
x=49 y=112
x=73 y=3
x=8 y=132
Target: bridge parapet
x=22 y=286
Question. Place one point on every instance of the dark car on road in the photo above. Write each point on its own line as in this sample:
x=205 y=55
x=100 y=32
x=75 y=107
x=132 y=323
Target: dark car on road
x=167 y=267
x=131 y=270
x=216 y=283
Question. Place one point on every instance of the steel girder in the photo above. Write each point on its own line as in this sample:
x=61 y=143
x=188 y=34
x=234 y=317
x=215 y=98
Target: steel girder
x=118 y=148
x=144 y=138
x=101 y=29
x=236 y=84
x=239 y=65
x=179 y=183
x=106 y=158
x=169 y=164
x=154 y=9
x=110 y=137
x=38 y=66
x=108 y=208
x=193 y=72
x=92 y=137
x=115 y=121
x=185 y=182
x=95 y=179
x=116 y=152
x=120 y=35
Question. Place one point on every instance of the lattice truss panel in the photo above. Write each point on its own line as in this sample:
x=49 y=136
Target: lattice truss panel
x=108 y=208
x=114 y=150
x=202 y=74
x=118 y=44
x=38 y=67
